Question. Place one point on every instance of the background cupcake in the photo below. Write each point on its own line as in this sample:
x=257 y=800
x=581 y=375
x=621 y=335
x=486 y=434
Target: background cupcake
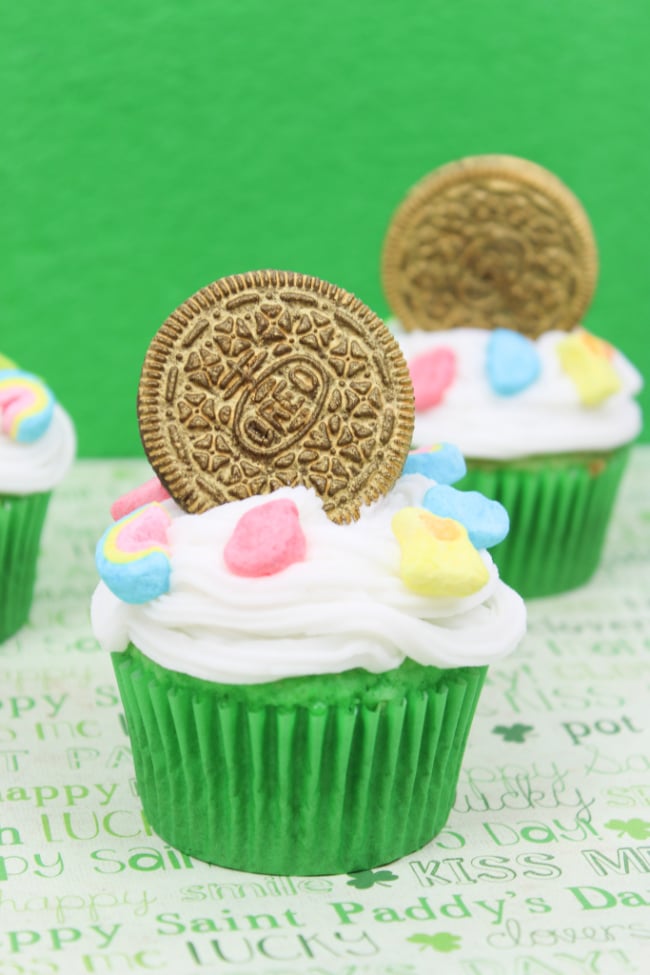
x=489 y=265
x=299 y=660
x=37 y=446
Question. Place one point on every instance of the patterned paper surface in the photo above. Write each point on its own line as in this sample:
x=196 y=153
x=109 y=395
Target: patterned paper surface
x=543 y=869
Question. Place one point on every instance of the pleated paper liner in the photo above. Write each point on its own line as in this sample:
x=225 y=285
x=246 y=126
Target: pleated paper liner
x=559 y=509
x=21 y=524
x=310 y=775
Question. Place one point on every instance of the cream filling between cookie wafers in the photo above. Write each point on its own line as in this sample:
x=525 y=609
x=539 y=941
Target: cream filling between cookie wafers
x=344 y=606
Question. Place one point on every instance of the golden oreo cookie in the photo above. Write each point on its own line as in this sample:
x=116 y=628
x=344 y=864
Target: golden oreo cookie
x=490 y=242
x=272 y=378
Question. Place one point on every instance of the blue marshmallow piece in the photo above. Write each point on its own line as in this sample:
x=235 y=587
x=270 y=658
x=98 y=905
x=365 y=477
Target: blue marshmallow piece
x=486 y=521
x=512 y=362
x=442 y=463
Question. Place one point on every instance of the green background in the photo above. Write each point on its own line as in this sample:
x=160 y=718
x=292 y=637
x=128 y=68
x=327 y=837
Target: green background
x=150 y=147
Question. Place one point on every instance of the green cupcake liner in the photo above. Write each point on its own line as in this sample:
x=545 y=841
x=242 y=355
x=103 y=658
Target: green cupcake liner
x=309 y=775
x=21 y=524
x=559 y=510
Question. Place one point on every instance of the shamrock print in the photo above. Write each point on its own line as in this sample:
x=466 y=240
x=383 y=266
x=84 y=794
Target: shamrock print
x=513 y=732
x=368 y=878
x=638 y=829
x=442 y=941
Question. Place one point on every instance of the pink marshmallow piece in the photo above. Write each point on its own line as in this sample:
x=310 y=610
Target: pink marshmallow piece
x=266 y=540
x=150 y=491
x=432 y=373
x=146 y=530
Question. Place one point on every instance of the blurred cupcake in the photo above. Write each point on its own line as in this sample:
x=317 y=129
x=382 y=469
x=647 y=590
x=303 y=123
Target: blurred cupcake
x=37 y=447
x=298 y=640
x=489 y=265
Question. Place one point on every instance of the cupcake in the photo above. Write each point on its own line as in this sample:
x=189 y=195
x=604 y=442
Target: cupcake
x=299 y=642
x=37 y=446
x=489 y=266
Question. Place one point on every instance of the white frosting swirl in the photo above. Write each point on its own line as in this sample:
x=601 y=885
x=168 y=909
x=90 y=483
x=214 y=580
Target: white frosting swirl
x=28 y=468
x=345 y=606
x=547 y=417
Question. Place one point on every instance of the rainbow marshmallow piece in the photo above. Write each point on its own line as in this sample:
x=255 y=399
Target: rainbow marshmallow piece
x=26 y=405
x=133 y=555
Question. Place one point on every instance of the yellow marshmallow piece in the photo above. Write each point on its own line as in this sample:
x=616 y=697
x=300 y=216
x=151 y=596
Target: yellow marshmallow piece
x=586 y=360
x=6 y=363
x=438 y=558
